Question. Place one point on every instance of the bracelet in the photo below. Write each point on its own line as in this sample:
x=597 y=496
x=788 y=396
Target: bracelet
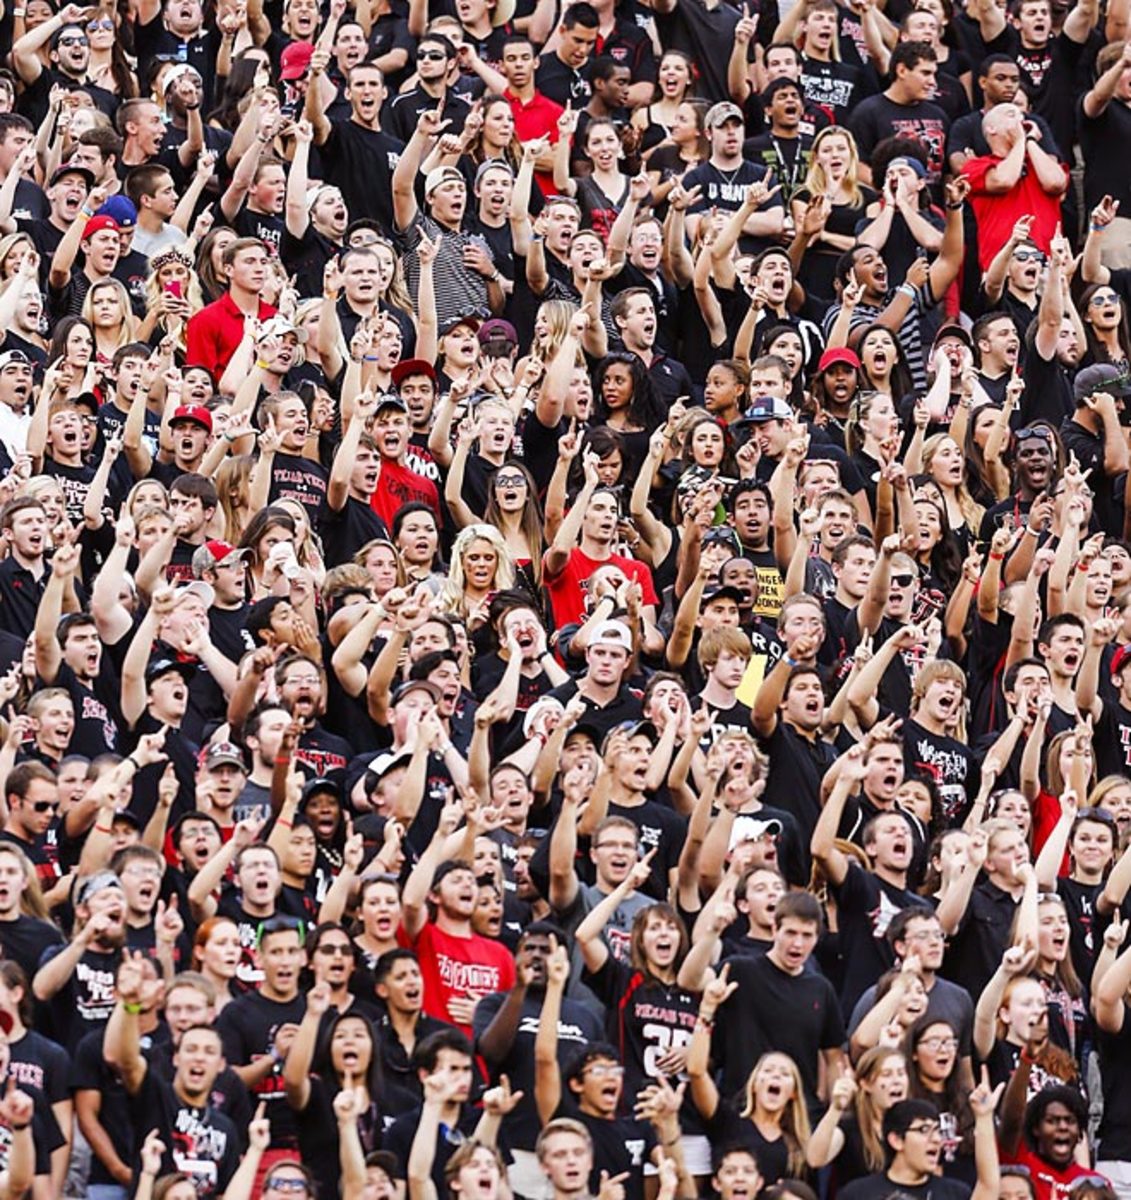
x=369 y=358
x=953 y=207
x=19 y=12
x=103 y=829
x=907 y=290
x=790 y=662
x=132 y=1009
x=1095 y=228
x=444 y=747
x=996 y=557
x=228 y=438
x=86 y=212
x=284 y=824
x=260 y=365
x=133 y=762
x=706 y=1022
x=18 y=1128
x=1030 y=530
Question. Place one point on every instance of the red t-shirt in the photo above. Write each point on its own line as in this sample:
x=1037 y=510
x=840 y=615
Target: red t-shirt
x=1049 y=1183
x=567 y=596
x=458 y=966
x=998 y=212
x=398 y=486
x=538 y=117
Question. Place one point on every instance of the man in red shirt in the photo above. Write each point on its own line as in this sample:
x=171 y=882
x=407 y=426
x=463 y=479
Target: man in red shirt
x=1016 y=179
x=215 y=332
x=567 y=565
x=459 y=966
x=397 y=484
x=535 y=115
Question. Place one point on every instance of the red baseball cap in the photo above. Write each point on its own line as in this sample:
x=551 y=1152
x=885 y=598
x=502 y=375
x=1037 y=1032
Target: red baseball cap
x=95 y=224
x=839 y=354
x=295 y=60
x=1119 y=659
x=196 y=413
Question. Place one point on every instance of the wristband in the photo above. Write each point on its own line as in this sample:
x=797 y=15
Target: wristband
x=103 y=829
x=444 y=747
x=86 y=212
x=19 y=12
x=790 y=662
x=284 y=824
x=996 y=557
x=18 y=1128
x=1030 y=530
x=132 y=1009
x=260 y=365
x=133 y=762
x=907 y=290
x=953 y=207
x=1095 y=228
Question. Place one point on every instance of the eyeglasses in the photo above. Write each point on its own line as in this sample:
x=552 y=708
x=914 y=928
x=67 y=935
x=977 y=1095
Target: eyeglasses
x=926 y=1128
x=336 y=949
x=431 y=56
x=99 y=23
x=605 y=1071
x=1028 y=256
x=1104 y=298
x=939 y=1043
x=73 y=40
x=927 y=935
x=297 y=1186
x=509 y=481
x=903 y=580
x=305 y=680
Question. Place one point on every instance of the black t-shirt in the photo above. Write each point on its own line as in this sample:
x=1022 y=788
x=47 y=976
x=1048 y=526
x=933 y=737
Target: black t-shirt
x=798 y=1015
x=707 y=35
x=880 y=1187
x=98 y=717
x=726 y=190
x=622 y=1145
x=836 y=87
x=1114 y=1133
x=294 y=477
x=86 y=1000
x=201 y=1142
x=398 y=1140
x=659 y=827
x=797 y=767
x=267 y=227
x=345 y=530
x=248 y=1026
x=361 y=163
x=948 y=761
x=865 y=906
x=578 y=1027
x=25 y=939
x=879 y=117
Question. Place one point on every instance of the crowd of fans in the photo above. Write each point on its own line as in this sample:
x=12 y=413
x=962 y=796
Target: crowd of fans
x=565 y=600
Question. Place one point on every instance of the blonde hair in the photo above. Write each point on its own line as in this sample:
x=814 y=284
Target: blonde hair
x=233 y=488
x=795 y=1118
x=817 y=182
x=936 y=669
x=972 y=511
x=452 y=598
x=125 y=333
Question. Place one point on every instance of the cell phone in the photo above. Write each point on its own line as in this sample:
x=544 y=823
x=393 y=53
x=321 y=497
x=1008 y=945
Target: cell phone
x=173 y=287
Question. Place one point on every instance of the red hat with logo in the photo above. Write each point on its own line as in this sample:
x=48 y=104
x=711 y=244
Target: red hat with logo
x=295 y=60
x=97 y=224
x=196 y=413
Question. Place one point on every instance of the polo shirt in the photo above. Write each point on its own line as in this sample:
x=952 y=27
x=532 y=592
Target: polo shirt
x=215 y=332
x=535 y=118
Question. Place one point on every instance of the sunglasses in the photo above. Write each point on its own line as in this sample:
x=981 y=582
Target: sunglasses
x=903 y=580
x=1033 y=431
x=431 y=56
x=509 y=481
x=297 y=1186
x=99 y=23
x=1103 y=298
x=335 y=950
x=42 y=806
x=1028 y=256
x=73 y=41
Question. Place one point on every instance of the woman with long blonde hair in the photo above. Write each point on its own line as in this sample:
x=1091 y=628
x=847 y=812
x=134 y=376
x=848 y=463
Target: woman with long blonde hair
x=882 y=1080
x=233 y=485
x=832 y=184
x=107 y=309
x=172 y=295
x=481 y=566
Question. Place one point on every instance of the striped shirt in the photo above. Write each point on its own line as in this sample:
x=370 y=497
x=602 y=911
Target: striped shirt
x=460 y=290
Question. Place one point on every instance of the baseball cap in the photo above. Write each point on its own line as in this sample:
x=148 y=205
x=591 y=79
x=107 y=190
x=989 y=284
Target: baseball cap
x=1102 y=377
x=1120 y=659
x=295 y=60
x=497 y=330
x=197 y=588
x=214 y=554
x=380 y=766
x=416 y=685
x=222 y=754
x=768 y=408
x=98 y=882
x=753 y=829
x=97 y=224
x=612 y=633
x=725 y=592
x=503 y=11
x=164 y=666
x=279 y=326
x=122 y=209
x=14 y=358
x=439 y=175
x=912 y=164
x=719 y=114
x=839 y=354
x=67 y=169
x=391 y=400
x=124 y=814
x=316 y=786
x=413 y=366
x=493 y=164
x=954 y=330
x=196 y=413
x=471 y=320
